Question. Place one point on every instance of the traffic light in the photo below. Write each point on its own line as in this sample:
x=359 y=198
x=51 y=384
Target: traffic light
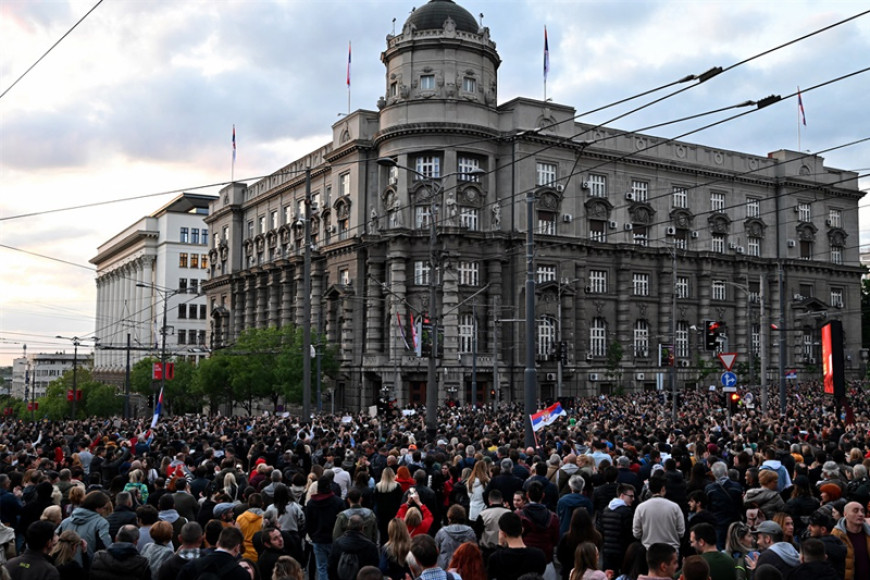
x=733 y=402
x=712 y=328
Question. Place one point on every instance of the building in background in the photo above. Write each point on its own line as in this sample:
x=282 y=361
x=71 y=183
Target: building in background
x=160 y=262
x=31 y=374
x=625 y=226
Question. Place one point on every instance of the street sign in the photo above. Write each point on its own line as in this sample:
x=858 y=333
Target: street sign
x=727 y=359
x=157 y=371
x=729 y=379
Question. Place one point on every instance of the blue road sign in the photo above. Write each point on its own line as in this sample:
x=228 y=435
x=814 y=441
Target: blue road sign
x=729 y=379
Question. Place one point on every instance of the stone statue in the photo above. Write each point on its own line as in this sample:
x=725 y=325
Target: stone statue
x=374 y=221
x=496 y=217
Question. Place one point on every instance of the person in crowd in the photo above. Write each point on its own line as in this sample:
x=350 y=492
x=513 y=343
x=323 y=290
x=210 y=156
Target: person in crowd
x=160 y=549
x=581 y=530
x=387 y=498
x=394 y=552
x=222 y=561
x=274 y=547
x=820 y=526
x=854 y=531
x=515 y=558
x=287 y=568
x=35 y=563
x=814 y=564
x=773 y=550
x=370 y=521
x=250 y=522
x=695 y=568
x=658 y=520
x=725 y=497
x=190 y=549
x=661 y=560
x=767 y=496
x=703 y=538
x=123 y=513
x=353 y=544
x=571 y=501
x=90 y=523
x=321 y=511
x=66 y=554
x=585 y=563
x=467 y=561
x=540 y=525
x=121 y=560
x=417 y=516
x=454 y=534
x=489 y=522
x=634 y=563
x=615 y=526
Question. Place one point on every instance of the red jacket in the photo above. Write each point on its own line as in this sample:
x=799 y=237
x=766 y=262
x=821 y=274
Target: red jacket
x=424 y=525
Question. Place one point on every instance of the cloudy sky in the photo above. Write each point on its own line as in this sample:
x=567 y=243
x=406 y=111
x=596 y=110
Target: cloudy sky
x=141 y=97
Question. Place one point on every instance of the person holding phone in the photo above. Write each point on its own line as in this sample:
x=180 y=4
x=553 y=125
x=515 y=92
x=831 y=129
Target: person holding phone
x=417 y=516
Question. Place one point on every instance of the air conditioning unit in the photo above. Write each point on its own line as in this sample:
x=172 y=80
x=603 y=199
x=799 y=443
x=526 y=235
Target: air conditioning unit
x=560 y=188
x=551 y=376
x=584 y=185
x=640 y=377
x=695 y=235
x=588 y=356
x=797 y=297
x=684 y=363
x=740 y=250
x=791 y=243
x=828 y=223
x=670 y=231
x=628 y=227
x=629 y=196
x=567 y=218
x=593 y=377
x=612 y=225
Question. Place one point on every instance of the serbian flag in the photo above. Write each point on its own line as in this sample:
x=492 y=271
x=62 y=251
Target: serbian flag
x=157 y=410
x=348 y=64
x=234 y=143
x=402 y=331
x=543 y=418
x=801 y=108
x=546 y=54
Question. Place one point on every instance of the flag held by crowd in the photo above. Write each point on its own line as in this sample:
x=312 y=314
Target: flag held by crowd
x=157 y=410
x=543 y=418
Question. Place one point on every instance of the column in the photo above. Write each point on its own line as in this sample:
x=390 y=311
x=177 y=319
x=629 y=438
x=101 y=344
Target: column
x=623 y=307
x=274 y=298
x=375 y=298
x=286 y=294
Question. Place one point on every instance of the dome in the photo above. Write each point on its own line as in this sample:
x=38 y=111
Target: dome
x=435 y=12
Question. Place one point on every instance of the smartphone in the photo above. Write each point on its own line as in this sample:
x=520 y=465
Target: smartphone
x=412 y=491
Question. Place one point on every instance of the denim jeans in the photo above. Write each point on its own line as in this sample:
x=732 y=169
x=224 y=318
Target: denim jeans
x=321 y=556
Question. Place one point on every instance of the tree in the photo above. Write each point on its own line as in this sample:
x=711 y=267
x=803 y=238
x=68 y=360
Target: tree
x=176 y=395
x=865 y=313
x=613 y=360
x=97 y=399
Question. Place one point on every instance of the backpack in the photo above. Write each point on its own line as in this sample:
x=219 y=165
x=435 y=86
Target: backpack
x=212 y=574
x=348 y=566
x=459 y=495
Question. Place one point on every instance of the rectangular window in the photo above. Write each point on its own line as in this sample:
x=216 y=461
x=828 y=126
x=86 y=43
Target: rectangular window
x=204 y=237
x=288 y=215
x=344 y=277
x=261 y=224
x=835 y=218
x=225 y=233
x=466 y=166
x=427 y=82
x=194 y=236
x=273 y=219
x=182 y=260
x=194 y=260
x=597 y=282
x=182 y=337
x=184 y=236
x=182 y=285
x=640 y=235
x=182 y=312
x=194 y=285
x=203 y=261
x=682 y=287
x=682 y=339
x=466 y=333
x=598 y=231
x=344 y=184
x=640 y=284
x=641 y=339
x=717 y=201
x=756 y=338
x=428 y=166
x=717 y=243
x=422 y=215
x=753 y=207
x=394 y=89
x=597 y=185
x=469 y=273
x=469 y=85
x=837 y=297
x=421 y=273
x=546 y=274
x=201 y=338
x=806 y=250
x=753 y=246
x=469 y=218
x=805 y=212
x=191 y=313
x=300 y=209
x=718 y=290
x=546 y=223
x=250 y=229
x=640 y=190
x=836 y=255
x=545 y=174
x=598 y=338
x=680 y=197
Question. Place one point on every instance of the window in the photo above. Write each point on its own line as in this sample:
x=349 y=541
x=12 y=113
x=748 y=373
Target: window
x=836 y=255
x=546 y=274
x=427 y=82
x=344 y=184
x=682 y=337
x=753 y=246
x=184 y=236
x=753 y=207
x=640 y=284
x=343 y=228
x=717 y=201
x=597 y=281
x=469 y=218
x=806 y=250
x=273 y=220
x=837 y=297
x=394 y=89
x=288 y=215
x=261 y=224
x=194 y=236
x=598 y=231
x=804 y=212
x=680 y=197
x=203 y=311
x=182 y=312
x=756 y=338
x=469 y=85
x=640 y=190
x=225 y=233
x=194 y=284
x=182 y=337
x=200 y=337
x=545 y=174
x=428 y=166
x=597 y=185
x=717 y=243
x=204 y=237
x=194 y=260
x=191 y=313
x=835 y=218
x=469 y=273
x=203 y=261
x=466 y=333
x=641 y=339
x=182 y=260
x=546 y=337
x=250 y=229
x=682 y=287
x=598 y=337
x=344 y=277
x=466 y=166
x=681 y=239
x=421 y=273
x=640 y=234
x=300 y=209
x=718 y=290
x=422 y=215
x=546 y=223
x=182 y=285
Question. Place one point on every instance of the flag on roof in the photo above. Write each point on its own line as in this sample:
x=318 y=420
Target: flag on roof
x=546 y=54
x=801 y=108
x=348 y=63
x=234 y=143
x=543 y=418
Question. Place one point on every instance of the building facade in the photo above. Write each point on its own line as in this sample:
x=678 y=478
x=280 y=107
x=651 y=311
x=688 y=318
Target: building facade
x=32 y=374
x=637 y=240
x=153 y=271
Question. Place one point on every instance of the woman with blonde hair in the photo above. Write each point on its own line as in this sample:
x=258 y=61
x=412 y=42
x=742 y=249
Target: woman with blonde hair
x=53 y=514
x=63 y=555
x=76 y=497
x=287 y=568
x=476 y=483
x=395 y=550
x=417 y=516
x=230 y=487
x=136 y=487
x=386 y=500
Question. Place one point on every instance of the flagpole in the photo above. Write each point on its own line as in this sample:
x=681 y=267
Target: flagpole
x=233 y=166
x=348 y=76
x=799 y=119
x=546 y=62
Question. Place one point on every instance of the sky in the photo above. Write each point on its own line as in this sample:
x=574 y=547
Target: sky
x=139 y=101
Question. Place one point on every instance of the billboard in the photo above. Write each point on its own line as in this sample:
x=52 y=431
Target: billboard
x=832 y=359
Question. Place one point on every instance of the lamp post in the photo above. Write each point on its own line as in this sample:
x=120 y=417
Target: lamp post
x=434 y=185
x=749 y=351
x=166 y=294
x=561 y=348
x=76 y=343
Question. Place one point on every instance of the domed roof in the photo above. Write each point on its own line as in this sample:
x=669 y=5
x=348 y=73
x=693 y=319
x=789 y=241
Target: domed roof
x=435 y=12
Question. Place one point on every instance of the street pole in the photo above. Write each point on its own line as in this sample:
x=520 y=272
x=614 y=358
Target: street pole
x=75 y=375
x=431 y=378
x=782 y=338
x=673 y=358
x=127 y=382
x=474 y=355
x=763 y=330
x=166 y=296
x=306 y=306
x=495 y=377
x=559 y=352
x=530 y=374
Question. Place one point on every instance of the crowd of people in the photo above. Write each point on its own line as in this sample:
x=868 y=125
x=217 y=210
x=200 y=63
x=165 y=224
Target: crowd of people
x=616 y=489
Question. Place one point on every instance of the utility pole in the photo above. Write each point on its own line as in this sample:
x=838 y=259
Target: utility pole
x=673 y=358
x=763 y=330
x=530 y=375
x=474 y=354
x=306 y=306
x=495 y=378
x=127 y=382
x=431 y=378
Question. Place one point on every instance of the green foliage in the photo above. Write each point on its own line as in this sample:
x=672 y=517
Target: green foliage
x=97 y=399
x=613 y=360
x=178 y=395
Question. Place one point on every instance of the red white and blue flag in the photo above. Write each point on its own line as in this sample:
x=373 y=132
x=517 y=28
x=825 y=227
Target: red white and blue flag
x=546 y=54
x=348 y=64
x=157 y=410
x=543 y=418
x=234 y=143
x=402 y=331
x=801 y=108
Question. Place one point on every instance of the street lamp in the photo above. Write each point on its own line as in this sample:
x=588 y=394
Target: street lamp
x=434 y=185
x=76 y=343
x=165 y=294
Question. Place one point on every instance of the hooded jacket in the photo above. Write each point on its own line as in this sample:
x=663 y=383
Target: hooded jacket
x=451 y=537
x=841 y=533
x=782 y=556
x=614 y=524
x=321 y=511
x=540 y=528
x=835 y=549
x=91 y=526
x=768 y=500
x=121 y=561
x=353 y=542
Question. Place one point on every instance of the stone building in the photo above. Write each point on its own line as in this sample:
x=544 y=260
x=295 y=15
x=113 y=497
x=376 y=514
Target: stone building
x=436 y=187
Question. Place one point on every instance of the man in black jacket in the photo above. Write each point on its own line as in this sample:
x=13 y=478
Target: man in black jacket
x=321 y=511
x=614 y=524
x=273 y=548
x=222 y=561
x=124 y=513
x=726 y=501
x=121 y=560
x=35 y=563
x=354 y=541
